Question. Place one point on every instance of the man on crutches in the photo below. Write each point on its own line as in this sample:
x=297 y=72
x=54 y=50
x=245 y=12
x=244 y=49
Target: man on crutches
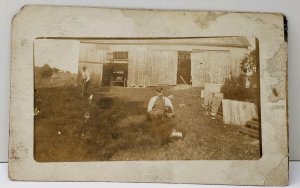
x=85 y=80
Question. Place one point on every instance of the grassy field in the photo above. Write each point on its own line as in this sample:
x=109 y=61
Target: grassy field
x=117 y=128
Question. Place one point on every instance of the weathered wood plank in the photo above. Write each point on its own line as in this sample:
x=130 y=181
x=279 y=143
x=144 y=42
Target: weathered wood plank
x=213 y=67
x=253 y=124
x=238 y=112
x=152 y=68
x=250 y=132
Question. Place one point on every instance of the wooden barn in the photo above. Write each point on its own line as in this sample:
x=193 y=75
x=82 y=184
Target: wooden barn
x=153 y=62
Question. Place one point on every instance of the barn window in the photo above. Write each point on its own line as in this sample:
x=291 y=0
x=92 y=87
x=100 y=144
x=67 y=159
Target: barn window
x=120 y=56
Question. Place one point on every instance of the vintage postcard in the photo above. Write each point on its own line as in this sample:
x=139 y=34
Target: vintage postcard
x=123 y=95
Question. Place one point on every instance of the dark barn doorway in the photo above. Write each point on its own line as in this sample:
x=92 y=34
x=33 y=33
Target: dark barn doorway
x=184 y=68
x=115 y=74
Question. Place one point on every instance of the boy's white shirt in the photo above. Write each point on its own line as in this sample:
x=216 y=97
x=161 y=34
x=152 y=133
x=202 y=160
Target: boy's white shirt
x=86 y=75
x=153 y=100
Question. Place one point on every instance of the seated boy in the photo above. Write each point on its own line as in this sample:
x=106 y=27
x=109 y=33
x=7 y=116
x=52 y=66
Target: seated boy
x=160 y=106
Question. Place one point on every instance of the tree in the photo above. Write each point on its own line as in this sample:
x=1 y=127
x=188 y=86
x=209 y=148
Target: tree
x=55 y=70
x=249 y=63
x=249 y=67
x=244 y=87
x=46 y=71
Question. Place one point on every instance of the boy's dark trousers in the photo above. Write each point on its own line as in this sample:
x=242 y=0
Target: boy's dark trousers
x=85 y=85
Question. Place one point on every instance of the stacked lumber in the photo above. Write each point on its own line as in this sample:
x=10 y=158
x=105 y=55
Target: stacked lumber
x=253 y=124
x=252 y=128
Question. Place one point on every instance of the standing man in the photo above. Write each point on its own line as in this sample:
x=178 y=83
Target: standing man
x=86 y=76
x=160 y=106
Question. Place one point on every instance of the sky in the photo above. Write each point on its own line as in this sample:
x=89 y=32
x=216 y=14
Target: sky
x=62 y=54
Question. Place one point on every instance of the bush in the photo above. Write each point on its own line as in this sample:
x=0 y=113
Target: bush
x=46 y=71
x=55 y=70
x=249 y=63
x=234 y=88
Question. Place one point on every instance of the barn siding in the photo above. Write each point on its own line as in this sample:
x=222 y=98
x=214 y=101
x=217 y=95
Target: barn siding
x=95 y=71
x=91 y=53
x=198 y=61
x=166 y=67
x=93 y=58
x=214 y=66
x=152 y=68
x=237 y=57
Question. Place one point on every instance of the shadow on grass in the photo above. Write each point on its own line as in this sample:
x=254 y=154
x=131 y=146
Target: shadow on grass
x=114 y=125
x=118 y=125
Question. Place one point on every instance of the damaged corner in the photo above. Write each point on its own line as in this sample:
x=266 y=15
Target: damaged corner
x=278 y=175
x=22 y=9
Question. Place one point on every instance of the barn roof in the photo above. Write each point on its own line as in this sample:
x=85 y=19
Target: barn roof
x=239 y=42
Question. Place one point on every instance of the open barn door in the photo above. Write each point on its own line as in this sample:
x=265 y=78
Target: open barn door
x=184 y=68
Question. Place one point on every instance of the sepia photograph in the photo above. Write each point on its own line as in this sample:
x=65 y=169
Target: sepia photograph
x=158 y=96
x=131 y=99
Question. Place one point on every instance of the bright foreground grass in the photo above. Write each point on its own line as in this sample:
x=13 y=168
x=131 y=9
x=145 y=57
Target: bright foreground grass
x=117 y=128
